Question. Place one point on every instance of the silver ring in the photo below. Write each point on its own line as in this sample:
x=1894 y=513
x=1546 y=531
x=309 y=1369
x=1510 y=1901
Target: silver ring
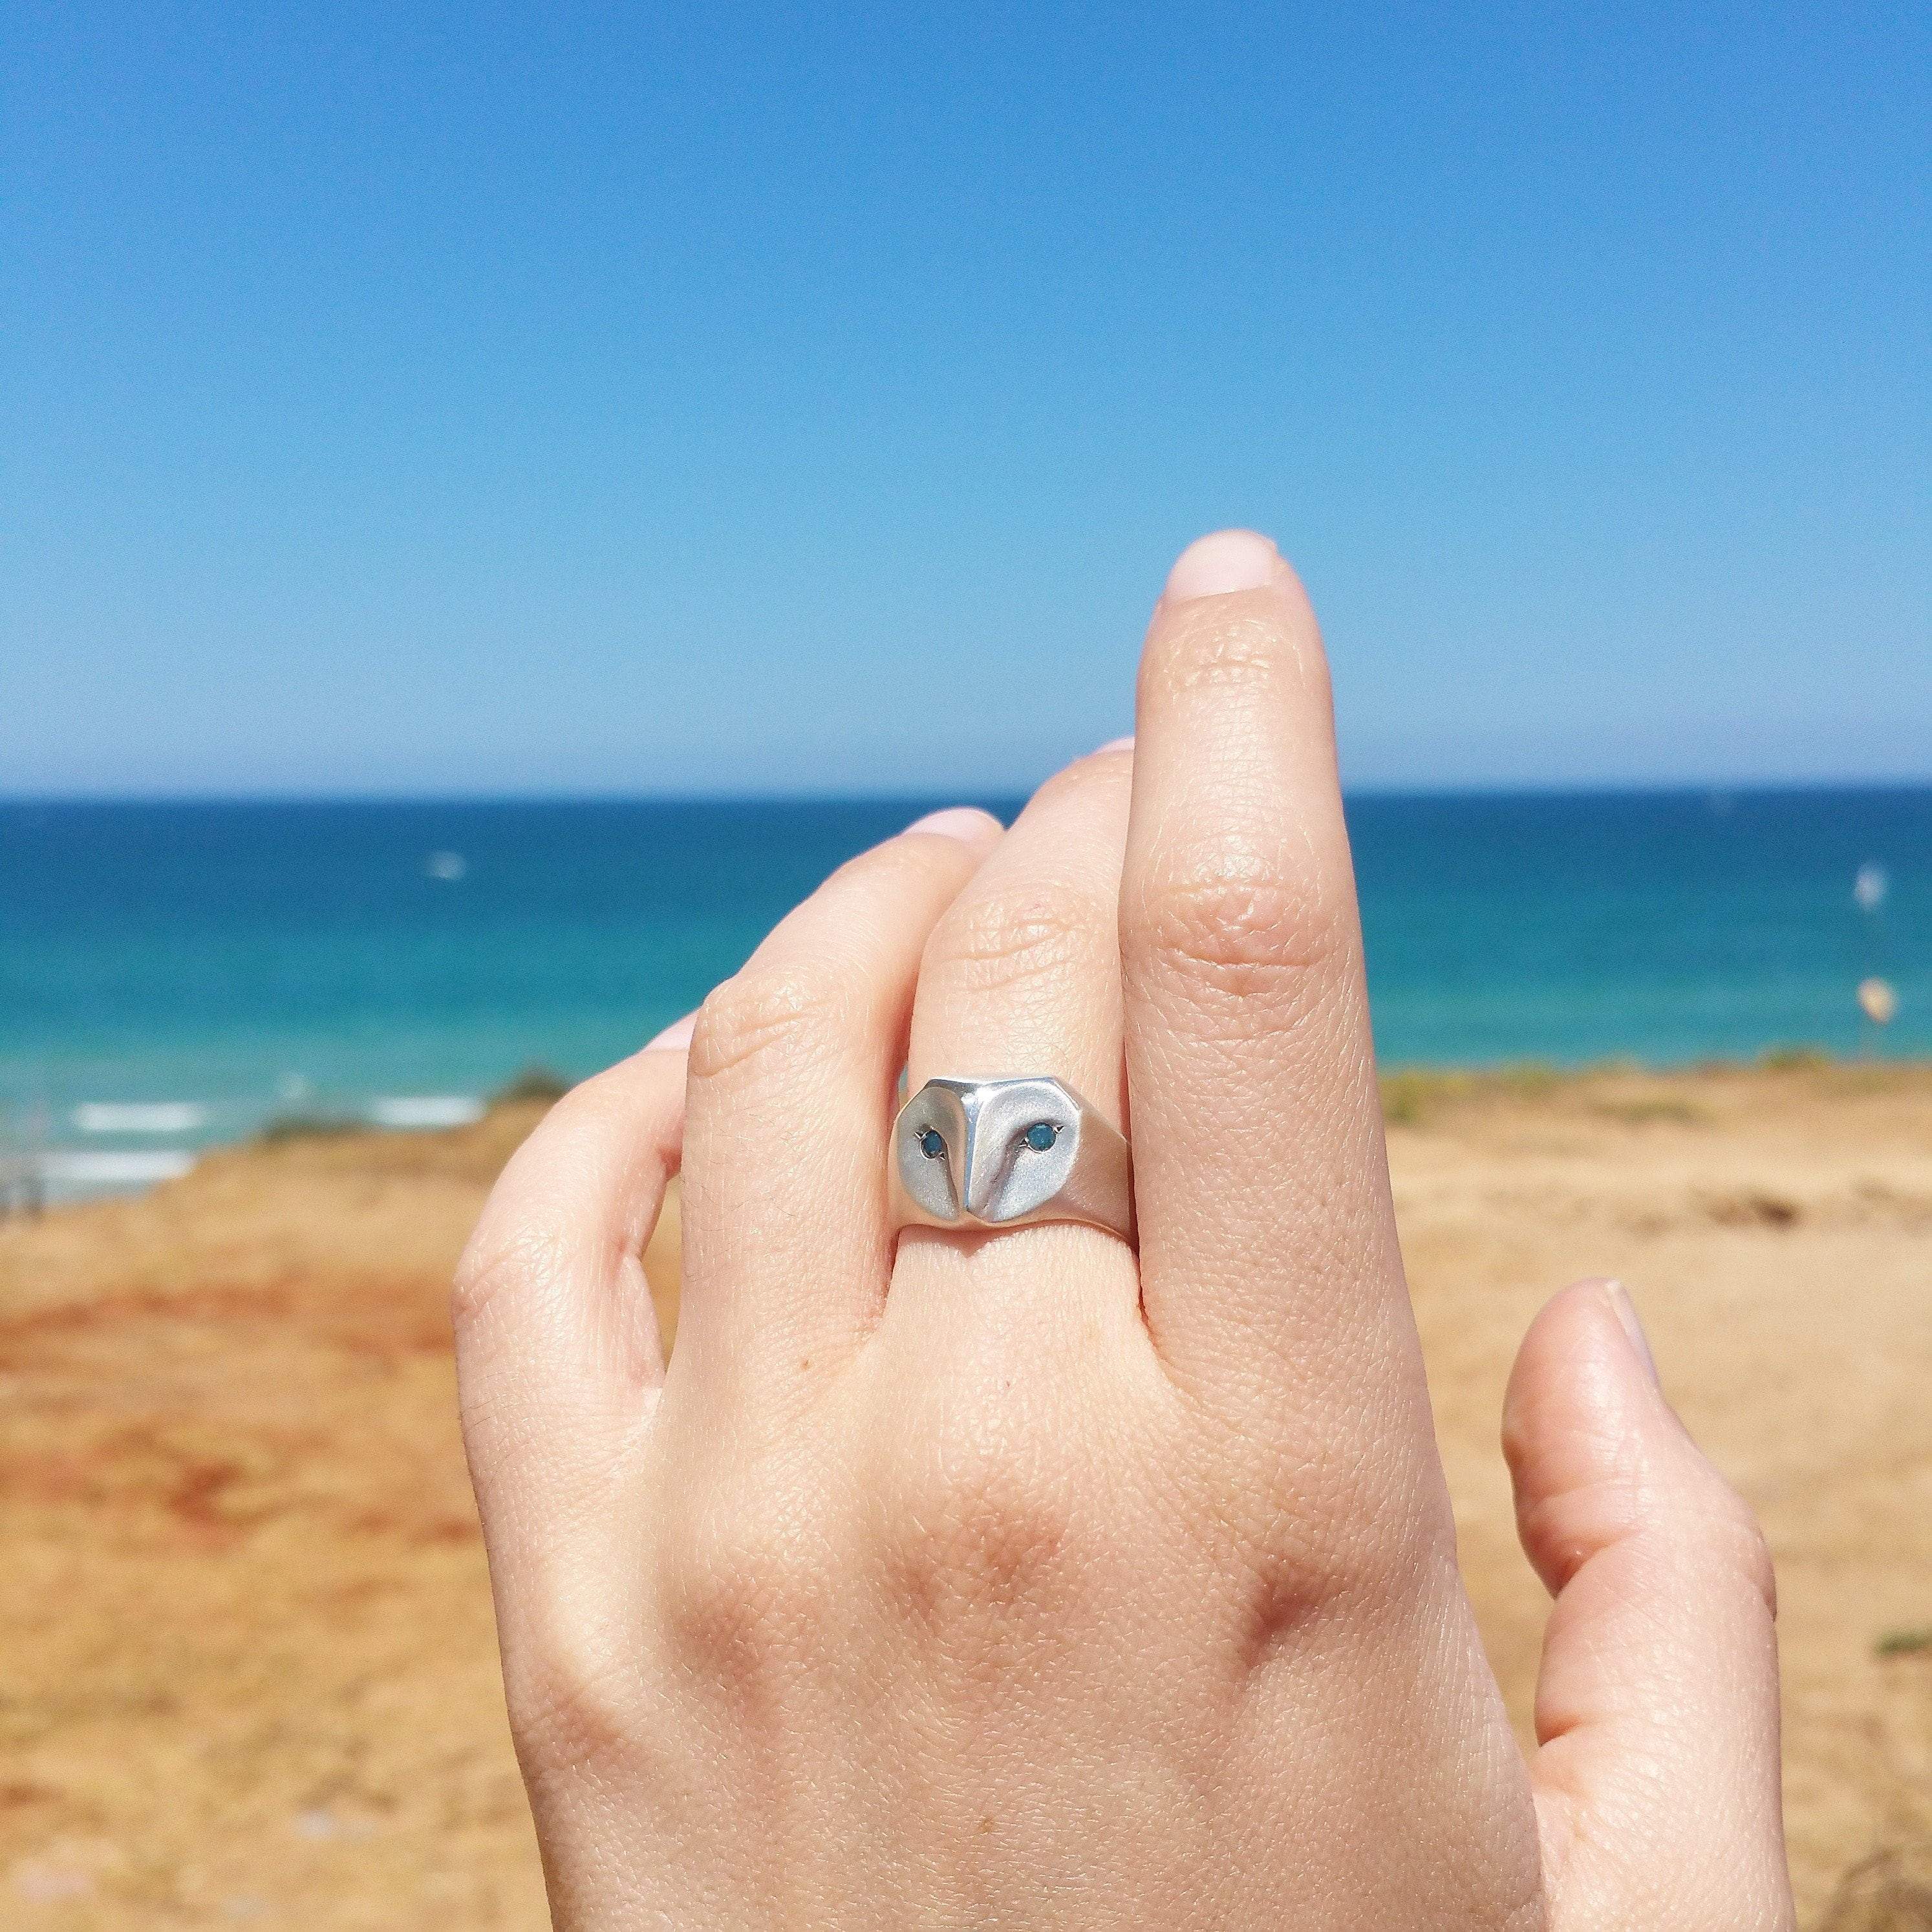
x=973 y=1154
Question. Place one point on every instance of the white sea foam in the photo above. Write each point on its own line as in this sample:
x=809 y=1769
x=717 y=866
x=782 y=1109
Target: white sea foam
x=160 y=1117
x=427 y=1110
x=66 y=1172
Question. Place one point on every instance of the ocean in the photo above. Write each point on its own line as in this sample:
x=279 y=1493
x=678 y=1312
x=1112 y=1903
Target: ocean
x=175 y=975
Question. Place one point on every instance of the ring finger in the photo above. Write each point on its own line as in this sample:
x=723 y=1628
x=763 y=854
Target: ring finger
x=1022 y=977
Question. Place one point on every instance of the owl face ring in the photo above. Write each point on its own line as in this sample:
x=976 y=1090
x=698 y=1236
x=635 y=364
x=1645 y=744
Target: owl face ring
x=976 y=1156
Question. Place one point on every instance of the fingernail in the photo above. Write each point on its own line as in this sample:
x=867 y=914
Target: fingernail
x=1229 y=560
x=1626 y=1314
x=676 y=1035
x=956 y=821
x=1126 y=744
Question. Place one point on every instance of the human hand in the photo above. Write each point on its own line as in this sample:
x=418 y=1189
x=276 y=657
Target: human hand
x=1018 y=1580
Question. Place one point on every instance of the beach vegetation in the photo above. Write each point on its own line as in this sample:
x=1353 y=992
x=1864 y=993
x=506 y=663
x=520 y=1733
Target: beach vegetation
x=1915 y=1642
x=1529 y=1079
x=534 y=1083
x=1411 y=1094
x=1886 y=1892
x=284 y=1128
x=1653 y=1109
x=1621 y=1066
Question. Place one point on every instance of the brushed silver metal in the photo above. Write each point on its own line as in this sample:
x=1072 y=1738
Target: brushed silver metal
x=961 y=1158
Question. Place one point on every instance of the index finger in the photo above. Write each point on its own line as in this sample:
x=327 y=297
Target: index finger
x=1268 y=1240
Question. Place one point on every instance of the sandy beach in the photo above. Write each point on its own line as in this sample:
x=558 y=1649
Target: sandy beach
x=249 y=1675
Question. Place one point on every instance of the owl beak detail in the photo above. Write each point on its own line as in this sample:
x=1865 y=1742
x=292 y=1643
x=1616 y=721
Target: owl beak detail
x=988 y=1160
x=983 y=1165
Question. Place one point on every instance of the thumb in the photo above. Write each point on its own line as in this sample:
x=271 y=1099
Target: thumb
x=1656 y=1775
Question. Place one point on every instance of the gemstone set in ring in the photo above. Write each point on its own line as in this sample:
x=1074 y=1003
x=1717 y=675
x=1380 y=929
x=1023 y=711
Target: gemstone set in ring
x=980 y=1155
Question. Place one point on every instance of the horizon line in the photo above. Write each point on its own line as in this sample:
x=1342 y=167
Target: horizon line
x=1613 y=788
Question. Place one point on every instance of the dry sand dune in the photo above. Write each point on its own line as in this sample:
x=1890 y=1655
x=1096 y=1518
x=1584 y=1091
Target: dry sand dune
x=247 y=1674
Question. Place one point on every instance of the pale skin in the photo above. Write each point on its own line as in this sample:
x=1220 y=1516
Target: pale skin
x=1026 y=1581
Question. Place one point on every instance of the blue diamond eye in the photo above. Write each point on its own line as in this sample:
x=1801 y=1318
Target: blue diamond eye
x=1041 y=1135
x=931 y=1145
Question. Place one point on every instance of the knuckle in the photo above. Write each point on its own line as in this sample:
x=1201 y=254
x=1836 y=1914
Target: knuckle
x=995 y=943
x=763 y=1015
x=1739 y=1541
x=1321 y=1521
x=1332 y=1540
x=594 y=1106
x=1087 y=774
x=978 y=1533
x=511 y=1247
x=897 y=863
x=1238 y=912
x=497 y=1262
x=1291 y=1584
x=739 y=1587
x=573 y=1705
x=1213 y=651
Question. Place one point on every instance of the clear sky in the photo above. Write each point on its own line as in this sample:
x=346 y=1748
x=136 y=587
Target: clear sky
x=666 y=398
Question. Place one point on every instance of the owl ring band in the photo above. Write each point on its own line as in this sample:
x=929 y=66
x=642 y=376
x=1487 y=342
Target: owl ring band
x=978 y=1156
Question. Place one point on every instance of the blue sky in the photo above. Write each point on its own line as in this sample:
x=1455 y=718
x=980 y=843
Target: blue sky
x=663 y=399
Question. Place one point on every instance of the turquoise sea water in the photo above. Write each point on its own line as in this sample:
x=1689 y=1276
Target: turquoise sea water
x=171 y=975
